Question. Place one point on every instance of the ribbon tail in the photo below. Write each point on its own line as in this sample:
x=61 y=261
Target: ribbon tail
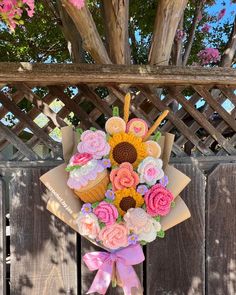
x=128 y=279
x=102 y=279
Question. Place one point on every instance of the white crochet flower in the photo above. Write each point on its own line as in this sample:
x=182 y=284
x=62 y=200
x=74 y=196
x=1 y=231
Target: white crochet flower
x=150 y=170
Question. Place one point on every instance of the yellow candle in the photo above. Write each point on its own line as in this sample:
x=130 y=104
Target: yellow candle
x=126 y=107
x=156 y=124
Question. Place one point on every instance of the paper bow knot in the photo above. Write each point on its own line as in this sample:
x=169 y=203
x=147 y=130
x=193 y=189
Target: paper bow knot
x=121 y=261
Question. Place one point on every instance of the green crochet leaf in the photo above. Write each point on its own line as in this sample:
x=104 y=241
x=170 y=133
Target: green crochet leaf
x=115 y=111
x=94 y=205
x=93 y=129
x=157 y=136
x=161 y=234
x=71 y=168
x=157 y=218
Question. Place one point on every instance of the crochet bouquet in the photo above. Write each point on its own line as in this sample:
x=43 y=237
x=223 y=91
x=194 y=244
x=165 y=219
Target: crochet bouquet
x=118 y=191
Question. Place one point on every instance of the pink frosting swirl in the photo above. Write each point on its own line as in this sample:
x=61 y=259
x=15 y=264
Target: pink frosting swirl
x=106 y=213
x=124 y=177
x=94 y=143
x=80 y=159
x=158 y=200
x=114 y=236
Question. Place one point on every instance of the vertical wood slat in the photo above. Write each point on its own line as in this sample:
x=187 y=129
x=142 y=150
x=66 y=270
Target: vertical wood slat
x=43 y=249
x=176 y=264
x=221 y=231
x=2 y=238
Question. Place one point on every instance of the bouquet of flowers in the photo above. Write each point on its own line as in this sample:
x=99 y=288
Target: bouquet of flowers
x=117 y=190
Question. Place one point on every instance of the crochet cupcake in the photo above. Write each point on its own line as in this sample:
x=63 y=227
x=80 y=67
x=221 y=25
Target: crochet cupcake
x=88 y=174
x=89 y=180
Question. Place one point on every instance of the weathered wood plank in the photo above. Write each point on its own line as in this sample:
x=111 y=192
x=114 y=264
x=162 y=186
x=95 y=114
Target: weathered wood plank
x=49 y=74
x=175 y=264
x=221 y=228
x=43 y=249
x=2 y=237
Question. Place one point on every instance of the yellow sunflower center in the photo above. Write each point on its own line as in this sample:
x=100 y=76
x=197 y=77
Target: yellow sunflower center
x=124 y=152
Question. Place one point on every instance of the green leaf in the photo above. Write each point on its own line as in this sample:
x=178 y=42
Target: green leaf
x=109 y=186
x=93 y=129
x=157 y=136
x=108 y=200
x=161 y=234
x=143 y=243
x=71 y=168
x=172 y=204
x=115 y=111
x=79 y=130
x=94 y=205
x=157 y=218
x=102 y=224
x=119 y=219
x=144 y=207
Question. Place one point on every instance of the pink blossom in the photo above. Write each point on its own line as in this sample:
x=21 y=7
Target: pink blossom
x=209 y=55
x=221 y=14
x=200 y=16
x=206 y=28
x=11 y=11
x=77 y=3
x=180 y=34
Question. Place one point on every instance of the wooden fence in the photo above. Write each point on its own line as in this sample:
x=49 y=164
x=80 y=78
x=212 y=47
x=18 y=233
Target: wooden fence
x=40 y=255
x=44 y=258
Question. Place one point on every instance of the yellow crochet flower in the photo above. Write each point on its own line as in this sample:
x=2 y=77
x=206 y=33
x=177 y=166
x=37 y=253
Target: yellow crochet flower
x=127 y=198
x=126 y=147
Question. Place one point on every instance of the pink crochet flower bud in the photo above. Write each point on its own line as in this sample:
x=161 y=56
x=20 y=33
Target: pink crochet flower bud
x=81 y=159
x=106 y=213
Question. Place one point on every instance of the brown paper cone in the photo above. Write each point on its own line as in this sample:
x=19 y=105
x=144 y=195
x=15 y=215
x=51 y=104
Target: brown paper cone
x=169 y=140
x=56 y=209
x=178 y=214
x=56 y=181
x=177 y=181
x=69 y=142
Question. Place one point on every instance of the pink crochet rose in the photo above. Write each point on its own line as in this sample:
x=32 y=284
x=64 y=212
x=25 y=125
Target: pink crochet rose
x=124 y=177
x=114 y=236
x=106 y=213
x=80 y=159
x=158 y=200
x=94 y=143
x=88 y=225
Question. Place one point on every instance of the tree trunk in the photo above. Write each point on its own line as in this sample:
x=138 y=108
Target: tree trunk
x=116 y=13
x=169 y=13
x=91 y=40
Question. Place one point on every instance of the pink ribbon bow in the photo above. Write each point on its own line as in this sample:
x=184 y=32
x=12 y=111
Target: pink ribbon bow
x=106 y=262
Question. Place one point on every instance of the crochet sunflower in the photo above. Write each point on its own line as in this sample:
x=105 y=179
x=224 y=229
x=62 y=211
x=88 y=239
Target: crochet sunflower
x=127 y=198
x=126 y=147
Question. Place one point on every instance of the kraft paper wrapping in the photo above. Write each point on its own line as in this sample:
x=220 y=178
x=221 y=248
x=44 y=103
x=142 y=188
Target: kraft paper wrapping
x=66 y=206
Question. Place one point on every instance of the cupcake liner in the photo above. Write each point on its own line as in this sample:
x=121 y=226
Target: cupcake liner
x=95 y=190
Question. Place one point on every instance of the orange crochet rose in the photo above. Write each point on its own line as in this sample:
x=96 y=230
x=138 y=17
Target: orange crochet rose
x=124 y=177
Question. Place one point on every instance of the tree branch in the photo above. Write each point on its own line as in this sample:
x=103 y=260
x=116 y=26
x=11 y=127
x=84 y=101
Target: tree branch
x=116 y=13
x=71 y=34
x=189 y=44
x=229 y=53
x=169 y=13
x=91 y=40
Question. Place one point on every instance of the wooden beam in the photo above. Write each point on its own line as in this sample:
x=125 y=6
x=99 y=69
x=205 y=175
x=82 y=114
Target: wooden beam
x=71 y=74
